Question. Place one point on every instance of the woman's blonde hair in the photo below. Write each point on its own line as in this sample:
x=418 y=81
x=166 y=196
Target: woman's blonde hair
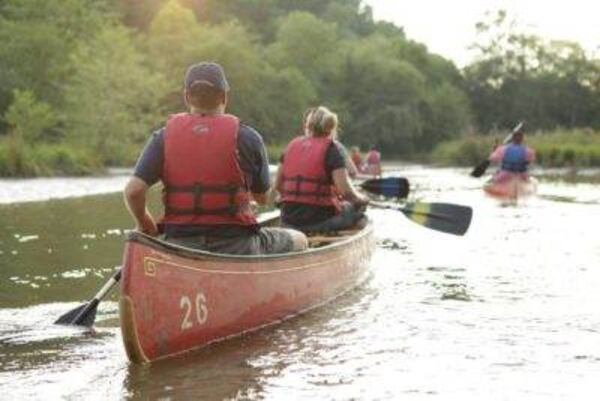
x=322 y=122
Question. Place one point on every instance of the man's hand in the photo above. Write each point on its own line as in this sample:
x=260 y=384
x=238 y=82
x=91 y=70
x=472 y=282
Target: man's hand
x=361 y=200
x=148 y=226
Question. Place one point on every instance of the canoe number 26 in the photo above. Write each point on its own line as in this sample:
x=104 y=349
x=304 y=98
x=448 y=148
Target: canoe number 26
x=190 y=309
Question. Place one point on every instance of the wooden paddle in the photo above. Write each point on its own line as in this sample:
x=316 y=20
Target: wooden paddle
x=445 y=217
x=480 y=169
x=391 y=187
x=85 y=315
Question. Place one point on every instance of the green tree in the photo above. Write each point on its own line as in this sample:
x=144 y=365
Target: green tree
x=113 y=98
x=29 y=119
x=306 y=42
x=37 y=37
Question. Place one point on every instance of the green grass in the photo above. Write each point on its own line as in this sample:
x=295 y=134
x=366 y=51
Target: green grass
x=559 y=148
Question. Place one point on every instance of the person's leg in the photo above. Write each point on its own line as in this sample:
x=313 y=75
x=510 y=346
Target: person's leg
x=281 y=240
x=349 y=217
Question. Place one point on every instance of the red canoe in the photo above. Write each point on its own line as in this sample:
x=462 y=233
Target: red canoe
x=175 y=299
x=505 y=185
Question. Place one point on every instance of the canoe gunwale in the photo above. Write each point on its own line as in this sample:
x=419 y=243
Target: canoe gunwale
x=197 y=254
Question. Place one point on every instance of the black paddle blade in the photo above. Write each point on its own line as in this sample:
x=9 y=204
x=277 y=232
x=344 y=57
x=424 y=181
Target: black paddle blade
x=390 y=187
x=479 y=170
x=445 y=217
x=83 y=315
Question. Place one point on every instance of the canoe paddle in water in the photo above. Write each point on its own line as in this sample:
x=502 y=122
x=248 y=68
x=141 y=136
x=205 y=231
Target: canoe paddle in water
x=480 y=169
x=85 y=315
x=391 y=187
x=445 y=217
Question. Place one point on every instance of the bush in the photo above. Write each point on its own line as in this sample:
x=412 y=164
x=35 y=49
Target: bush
x=560 y=148
x=45 y=160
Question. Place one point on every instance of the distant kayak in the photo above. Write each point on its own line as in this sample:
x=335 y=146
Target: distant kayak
x=506 y=185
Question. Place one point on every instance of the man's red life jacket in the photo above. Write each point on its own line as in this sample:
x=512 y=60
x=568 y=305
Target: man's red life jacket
x=203 y=181
x=304 y=177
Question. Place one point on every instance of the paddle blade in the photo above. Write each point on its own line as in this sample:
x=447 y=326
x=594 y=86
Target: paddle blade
x=390 y=187
x=445 y=217
x=479 y=170
x=83 y=315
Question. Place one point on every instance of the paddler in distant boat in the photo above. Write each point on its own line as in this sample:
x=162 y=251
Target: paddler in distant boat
x=356 y=158
x=212 y=167
x=313 y=180
x=513 y=157
x=373 y=162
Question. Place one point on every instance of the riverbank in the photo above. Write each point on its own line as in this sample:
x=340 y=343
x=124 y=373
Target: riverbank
x=578 y=148
x=17 y=190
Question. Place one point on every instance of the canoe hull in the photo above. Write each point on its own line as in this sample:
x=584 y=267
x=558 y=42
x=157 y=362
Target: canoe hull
x=510 y=186
x=174 y=300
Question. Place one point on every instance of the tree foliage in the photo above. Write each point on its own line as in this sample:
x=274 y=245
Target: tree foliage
x=522 y=76
x=101 y=74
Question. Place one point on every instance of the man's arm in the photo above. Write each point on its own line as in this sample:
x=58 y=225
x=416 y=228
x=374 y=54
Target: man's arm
x=135 y=200
x=255 y=163
x=497 y=155
x=147 y=171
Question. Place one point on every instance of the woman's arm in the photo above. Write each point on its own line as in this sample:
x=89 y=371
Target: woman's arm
x=344 y=187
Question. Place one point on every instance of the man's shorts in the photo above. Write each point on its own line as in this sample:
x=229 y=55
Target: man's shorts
x=267 y=240
x=348 y=218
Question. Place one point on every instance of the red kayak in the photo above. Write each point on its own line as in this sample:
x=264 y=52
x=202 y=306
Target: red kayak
x=175 y=299
x=505 y=185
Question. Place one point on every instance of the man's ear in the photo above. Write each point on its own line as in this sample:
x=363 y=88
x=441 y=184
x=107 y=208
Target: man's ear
x=186 y=98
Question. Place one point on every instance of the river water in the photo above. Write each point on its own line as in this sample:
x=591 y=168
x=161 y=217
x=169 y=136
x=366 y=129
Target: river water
x=511 y=311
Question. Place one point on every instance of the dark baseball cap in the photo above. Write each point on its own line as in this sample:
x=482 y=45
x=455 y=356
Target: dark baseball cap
x=210 y=72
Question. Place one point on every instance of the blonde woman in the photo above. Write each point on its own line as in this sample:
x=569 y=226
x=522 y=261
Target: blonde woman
x=313 y=181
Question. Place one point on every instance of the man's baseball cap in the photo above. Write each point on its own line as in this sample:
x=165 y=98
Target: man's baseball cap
x=209 y=72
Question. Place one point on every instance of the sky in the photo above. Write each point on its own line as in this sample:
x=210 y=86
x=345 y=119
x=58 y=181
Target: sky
x=447 y=27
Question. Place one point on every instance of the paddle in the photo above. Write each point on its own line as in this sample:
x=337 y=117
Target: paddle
x=445 y=217
x=391 y=187
x=480 y=169
x=85 y=315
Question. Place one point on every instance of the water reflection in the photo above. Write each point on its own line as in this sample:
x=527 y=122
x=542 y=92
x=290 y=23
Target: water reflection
x=507 y=312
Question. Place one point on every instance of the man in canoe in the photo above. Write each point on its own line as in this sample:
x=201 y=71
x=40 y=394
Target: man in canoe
x=212 y=168
x=313 y=176
x=513 y=157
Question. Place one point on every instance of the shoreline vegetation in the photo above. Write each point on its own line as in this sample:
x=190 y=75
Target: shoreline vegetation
x=571 y=149
x=83 y=83
x=575 y=148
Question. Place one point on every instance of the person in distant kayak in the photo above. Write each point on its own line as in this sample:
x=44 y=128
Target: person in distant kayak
x=513 y=157
x=213 y=168
x=313 y=181
x=356 y=158
x=373 y=162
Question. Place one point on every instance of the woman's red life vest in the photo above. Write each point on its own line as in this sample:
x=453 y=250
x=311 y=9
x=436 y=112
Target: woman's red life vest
x=373 y=163
x=304 y=177
x=203 y=181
